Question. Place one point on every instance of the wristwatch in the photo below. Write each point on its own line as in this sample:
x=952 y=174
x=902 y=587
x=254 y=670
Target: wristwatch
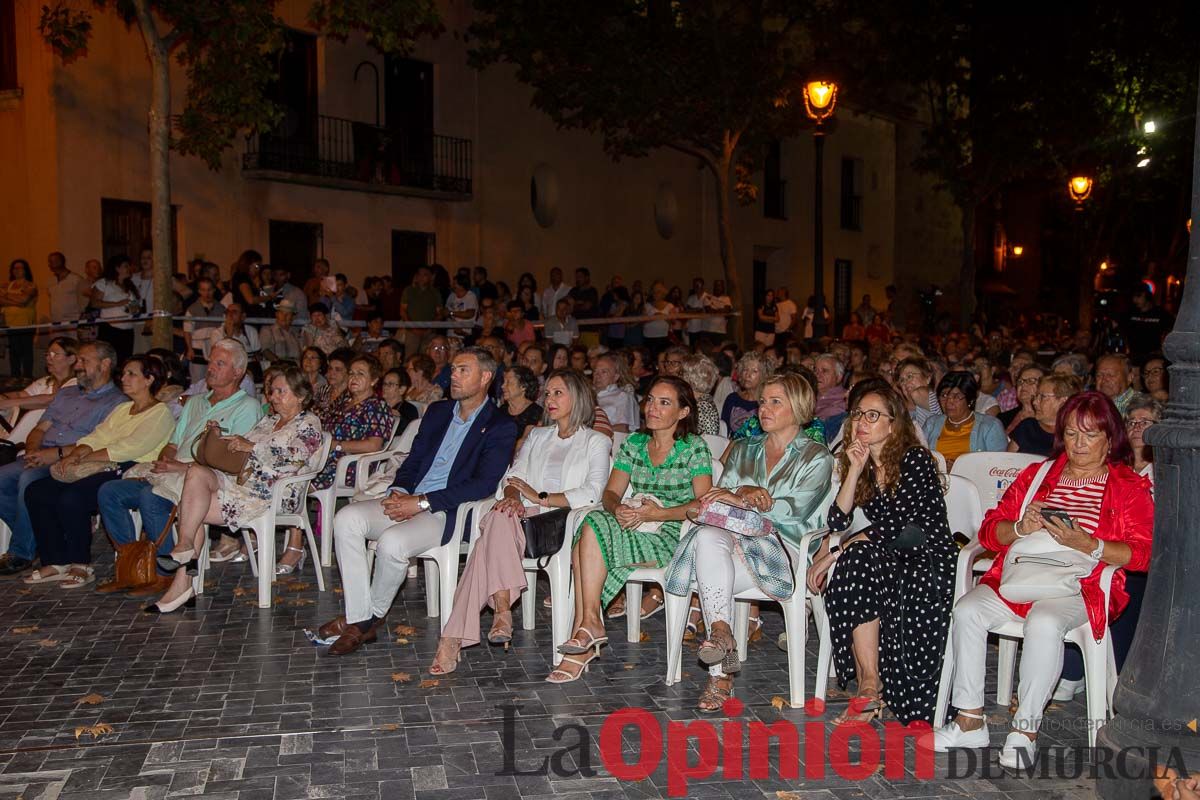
x=1098 y=553
x=543 y=495
x=423 y=503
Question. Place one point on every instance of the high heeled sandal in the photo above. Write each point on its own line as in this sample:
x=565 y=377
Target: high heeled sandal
x=445 y=662
x=288 y=569
x=713 y=698
x=583 y=646
x=721 y=649
x=502 y=628
x=756 y=630
x=863 y=707
x=568 y=677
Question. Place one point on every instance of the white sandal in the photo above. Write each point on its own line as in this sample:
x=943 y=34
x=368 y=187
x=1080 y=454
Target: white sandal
x=568 y=677
x=47 y=573
x=78 y=575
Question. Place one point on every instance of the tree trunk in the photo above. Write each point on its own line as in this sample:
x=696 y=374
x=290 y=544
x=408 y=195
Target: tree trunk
x=721 y=173
x=966 y=270
x=159 y=127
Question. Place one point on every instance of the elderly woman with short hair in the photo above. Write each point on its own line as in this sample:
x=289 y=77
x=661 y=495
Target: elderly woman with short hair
x=1026 y=381
x=960 y=429
x=1036 y=435
x=752 y=369
x=1111 y=518
x=781 y=474
x=562 y=464
x=1144 y=410
x=701 y=374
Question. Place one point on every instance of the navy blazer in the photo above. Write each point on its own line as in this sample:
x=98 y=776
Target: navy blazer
x=479 y=466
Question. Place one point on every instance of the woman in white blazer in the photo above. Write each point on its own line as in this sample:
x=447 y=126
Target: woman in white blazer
x=562 y=464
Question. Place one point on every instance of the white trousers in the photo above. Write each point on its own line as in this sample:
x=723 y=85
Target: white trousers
x=1041 y=654
x=720 y=574
x=359 y=523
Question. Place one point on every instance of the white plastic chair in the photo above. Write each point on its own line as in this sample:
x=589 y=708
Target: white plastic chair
x=24 y=425
x=327 y=498
x=795 y=615
x=274 y=517
x=441 y=576
x=723 y=430
x=992 y=473
x=716 y=445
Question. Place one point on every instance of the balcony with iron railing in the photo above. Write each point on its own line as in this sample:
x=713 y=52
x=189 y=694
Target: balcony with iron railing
x=344 y=154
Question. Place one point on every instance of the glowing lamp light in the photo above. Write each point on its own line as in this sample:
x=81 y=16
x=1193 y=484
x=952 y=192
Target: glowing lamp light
x=1104 y=266
x=1018 y=251
x=820 y=98
x=1145 y=162
x=1149 y=127
x=1189 y=226
x=1080 y=188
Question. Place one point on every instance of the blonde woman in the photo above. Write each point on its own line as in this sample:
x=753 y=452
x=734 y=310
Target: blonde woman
x=562 y=464
x=616 y=392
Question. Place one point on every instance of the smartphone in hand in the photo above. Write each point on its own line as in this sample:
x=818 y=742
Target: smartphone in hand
x=1058 y=514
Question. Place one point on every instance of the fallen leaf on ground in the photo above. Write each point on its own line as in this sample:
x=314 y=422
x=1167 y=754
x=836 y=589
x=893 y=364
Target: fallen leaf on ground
x=48 y=642
x=302 y=601
x=645 y=637
x=401 y=641
x=401 y=677
x=779 y=703
x=390 y=726
x=92 y=699
x=337 y=590
x=629 y=666
x=26 y=629
x=297 y=586
x=429 y=684
x=240 y=591
x=404 y=630
x=787 y=795
x=95 y=731
x=24 y=591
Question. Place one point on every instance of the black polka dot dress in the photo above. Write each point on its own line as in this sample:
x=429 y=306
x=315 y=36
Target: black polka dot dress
x=911 y=591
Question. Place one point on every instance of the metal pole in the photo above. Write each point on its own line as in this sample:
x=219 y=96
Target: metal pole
x=1157 y=700
x=819 y=327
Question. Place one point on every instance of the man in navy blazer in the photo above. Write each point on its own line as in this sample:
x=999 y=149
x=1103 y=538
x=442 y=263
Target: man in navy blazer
x=462 y=449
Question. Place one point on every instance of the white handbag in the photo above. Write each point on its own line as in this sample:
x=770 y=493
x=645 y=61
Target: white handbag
x=1036 y=567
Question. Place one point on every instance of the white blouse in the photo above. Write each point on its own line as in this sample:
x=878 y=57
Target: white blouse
x=582 y=473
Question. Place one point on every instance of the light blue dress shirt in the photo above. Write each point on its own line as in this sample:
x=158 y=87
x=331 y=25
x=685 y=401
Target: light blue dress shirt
x=439 y=471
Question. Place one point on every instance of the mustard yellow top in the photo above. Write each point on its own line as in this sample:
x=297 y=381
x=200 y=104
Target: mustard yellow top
x=132 y=437
x=953 y=444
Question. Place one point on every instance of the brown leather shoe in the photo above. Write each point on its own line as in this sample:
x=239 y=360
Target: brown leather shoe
x=151 y=589
x=335 y=627
x=351 y=639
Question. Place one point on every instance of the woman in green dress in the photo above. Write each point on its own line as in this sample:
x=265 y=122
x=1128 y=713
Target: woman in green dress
x=665 y=466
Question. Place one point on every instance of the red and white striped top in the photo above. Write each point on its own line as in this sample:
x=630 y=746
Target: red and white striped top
x=1081 y=499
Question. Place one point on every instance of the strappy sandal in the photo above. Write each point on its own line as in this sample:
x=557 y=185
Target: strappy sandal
x=445 y=660
x=694 y=625
x=567 y=676
x=721 y=648
x=862 y=708
x=756 y=630
x=582 y=645
x=78 y=575
x=660 y=604
x=221 y=555
x=502 y=628
x=716 y=692
x=47 y=573
x=617 y=608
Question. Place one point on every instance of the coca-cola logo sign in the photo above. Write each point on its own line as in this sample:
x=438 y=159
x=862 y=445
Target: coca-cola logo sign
x=1001 y=472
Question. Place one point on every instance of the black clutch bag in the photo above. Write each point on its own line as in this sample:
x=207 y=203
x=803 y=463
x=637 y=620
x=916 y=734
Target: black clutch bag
x=910 y=538
x=544 y=533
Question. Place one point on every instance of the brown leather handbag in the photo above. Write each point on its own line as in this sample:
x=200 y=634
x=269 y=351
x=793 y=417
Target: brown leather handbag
x=135 y=565
x=213 y=451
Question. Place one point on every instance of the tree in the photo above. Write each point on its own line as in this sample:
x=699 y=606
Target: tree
x=714 y=80
x=226 y=48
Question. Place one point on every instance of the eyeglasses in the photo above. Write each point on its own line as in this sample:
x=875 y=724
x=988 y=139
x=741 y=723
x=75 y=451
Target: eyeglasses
x=1153 y=371
x=871 y=414
x=1138 y=424
x=1028 y=382
x=439 y=347
x=952 y=394
x=1046 y=396
x=673 y=363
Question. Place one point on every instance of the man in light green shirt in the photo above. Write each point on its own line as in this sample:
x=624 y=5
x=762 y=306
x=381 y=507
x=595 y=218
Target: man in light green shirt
x=227 y=405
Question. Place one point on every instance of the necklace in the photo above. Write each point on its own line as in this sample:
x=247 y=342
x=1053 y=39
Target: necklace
x=959 y=422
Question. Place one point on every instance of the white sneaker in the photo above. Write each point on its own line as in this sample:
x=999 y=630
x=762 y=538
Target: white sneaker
x=949 y=737
x=1018 y=751
x=1067 y=689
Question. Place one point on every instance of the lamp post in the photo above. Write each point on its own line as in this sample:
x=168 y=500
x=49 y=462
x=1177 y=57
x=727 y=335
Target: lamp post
x=1156 y=700
x=1079 y=187
x=820 y=98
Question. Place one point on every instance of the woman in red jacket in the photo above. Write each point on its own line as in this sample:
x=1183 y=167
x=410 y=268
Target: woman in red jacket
x=1111 y=518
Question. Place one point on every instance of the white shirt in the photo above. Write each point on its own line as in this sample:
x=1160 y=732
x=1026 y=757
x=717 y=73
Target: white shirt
x=695 y=303
x=621 y=406
x=559 y=332
x=985 y=401
x=656 y=329
x=717 y=303
x=550 y=298
x=786 y=310
x=467 y=302
x=583 y=472
x=145 y=287
x=65 y=300
x=112 y=292
x=555 y=454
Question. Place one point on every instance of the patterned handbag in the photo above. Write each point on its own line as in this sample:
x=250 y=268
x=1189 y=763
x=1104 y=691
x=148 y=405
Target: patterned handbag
x=741 y=521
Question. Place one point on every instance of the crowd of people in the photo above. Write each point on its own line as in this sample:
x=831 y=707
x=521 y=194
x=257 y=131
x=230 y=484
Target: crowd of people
x=525 y=401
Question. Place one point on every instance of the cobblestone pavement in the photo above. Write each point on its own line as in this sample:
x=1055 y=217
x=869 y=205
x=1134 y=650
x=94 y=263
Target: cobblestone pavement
x=229 y=701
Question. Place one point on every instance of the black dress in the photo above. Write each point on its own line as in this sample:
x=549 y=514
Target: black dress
x=1032 y=438
x=911 y=591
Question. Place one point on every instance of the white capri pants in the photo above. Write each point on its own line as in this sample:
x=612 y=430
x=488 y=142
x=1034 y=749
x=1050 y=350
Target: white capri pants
x=1041 y=655
x=359 y=523
x=720 y=574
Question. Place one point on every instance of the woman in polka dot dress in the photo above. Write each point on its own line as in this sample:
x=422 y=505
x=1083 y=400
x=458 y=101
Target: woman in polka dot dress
x=892 y=589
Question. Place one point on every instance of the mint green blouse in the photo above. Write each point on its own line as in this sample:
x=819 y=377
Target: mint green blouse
x=800 y=482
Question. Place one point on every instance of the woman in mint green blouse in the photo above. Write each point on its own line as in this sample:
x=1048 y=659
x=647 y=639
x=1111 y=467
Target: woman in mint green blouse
x=786 y=477
x=665 y=467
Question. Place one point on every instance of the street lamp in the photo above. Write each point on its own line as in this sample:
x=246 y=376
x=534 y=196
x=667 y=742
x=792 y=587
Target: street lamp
x=820 y=99
x=1080 y=187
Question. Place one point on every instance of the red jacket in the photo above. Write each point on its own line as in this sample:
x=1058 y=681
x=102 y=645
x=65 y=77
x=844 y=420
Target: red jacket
x=1126 y=515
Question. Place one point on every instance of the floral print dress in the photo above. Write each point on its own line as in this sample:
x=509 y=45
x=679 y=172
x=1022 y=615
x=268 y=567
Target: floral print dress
x=277 y=454
x=371 y=417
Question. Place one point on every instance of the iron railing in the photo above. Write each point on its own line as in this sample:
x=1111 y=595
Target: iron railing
x=342 y=149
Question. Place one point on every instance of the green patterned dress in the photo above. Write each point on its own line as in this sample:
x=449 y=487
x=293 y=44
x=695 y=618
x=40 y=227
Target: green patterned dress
x=671 y=483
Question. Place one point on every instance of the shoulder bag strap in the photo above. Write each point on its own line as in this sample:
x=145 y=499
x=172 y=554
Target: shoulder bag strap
x=1037 y=484
x=166 y=528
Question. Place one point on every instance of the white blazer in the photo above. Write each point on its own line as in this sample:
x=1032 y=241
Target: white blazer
x=585 y=469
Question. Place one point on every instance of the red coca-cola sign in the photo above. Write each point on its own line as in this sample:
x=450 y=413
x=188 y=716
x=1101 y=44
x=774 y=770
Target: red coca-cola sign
x=1001 y=472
